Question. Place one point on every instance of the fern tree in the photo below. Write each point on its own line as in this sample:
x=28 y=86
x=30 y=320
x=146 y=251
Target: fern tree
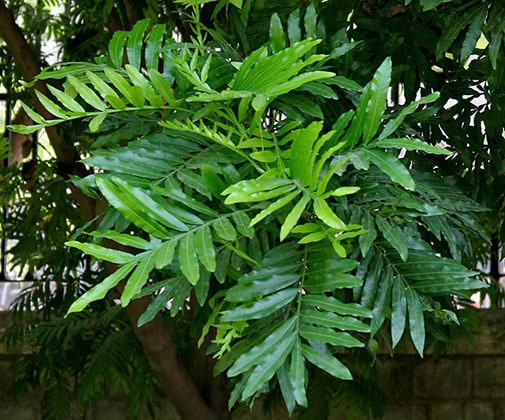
x=275 y=209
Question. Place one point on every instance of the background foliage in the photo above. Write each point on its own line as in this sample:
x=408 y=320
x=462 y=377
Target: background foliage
x=285 y=181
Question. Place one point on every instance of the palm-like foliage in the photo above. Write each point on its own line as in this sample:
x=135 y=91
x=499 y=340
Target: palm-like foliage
x=299 y=237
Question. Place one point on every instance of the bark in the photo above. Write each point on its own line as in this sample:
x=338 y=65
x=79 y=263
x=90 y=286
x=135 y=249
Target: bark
x=155 y=337
x=29 y=66
x=162 y=355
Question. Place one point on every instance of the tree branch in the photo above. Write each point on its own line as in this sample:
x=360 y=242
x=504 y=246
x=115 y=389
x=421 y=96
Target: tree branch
x=162 y=355
x=155 y=336
x=29 y=66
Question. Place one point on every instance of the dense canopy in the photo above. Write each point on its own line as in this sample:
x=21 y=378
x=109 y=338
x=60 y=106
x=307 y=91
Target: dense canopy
x=244 y=198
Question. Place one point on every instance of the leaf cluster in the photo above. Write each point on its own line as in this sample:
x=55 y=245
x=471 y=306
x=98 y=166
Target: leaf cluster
x=291 y=197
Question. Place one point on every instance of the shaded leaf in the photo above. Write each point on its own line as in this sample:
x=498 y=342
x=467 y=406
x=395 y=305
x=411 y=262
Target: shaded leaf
x=257 y=353
x=262 y=307
x=100 y=290
x=392 y=167
x=326 y=362
x=138 y=278
x=416 y=320
x=205 y=248
x=188 y=260
x=394 y=235
x=398 y=310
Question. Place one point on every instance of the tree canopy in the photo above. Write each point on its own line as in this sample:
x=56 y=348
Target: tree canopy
x=242 y=198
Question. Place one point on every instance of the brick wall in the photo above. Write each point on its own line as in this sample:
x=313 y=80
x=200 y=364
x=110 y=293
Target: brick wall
x=468 y=384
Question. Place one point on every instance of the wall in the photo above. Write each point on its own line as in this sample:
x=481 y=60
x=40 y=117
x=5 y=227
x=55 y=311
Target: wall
x=468 y=384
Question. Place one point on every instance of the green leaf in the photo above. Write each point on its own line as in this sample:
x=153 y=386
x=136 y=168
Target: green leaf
x=86 y=93
x=54 y=109
x=100 y=290
x=66 y=100
x=102 y=253
x=366 y=240
x=188 y=259
x=381 y=305
x=133 y=94
x=260 y=308
x=286 y=387
x=261 y=283
x=116 y=48
x=411 y=144
x=32 y=114
x=165 y=254
x=138 y=79
x=29 y=129
x=313 y=237
x=293 y=216
x=331 y=304
x=298 y=374
x=294 y=30
x=301 y=149
x=326 y=362
x=138 y=278
x=328 y=319
x=376 y=105
x=205 y=248
x=392 y=167
x=329 y=336
x=161 y=85
x=224 y=229
x=202 y=288
x=494 y=48
x=416 y=320
x=124 y=239
x=399 y=310
x=319 y=89
x=173 y=190
x=135 y=42
x=255 y=190
x=310 y=22
x=282 y=69
x=277 y=39
x=428 y=273
x=153 y=46
x=190 y=179
x=326 y=214
x=139 y=208
x=259 y=352
x=96 y=122
x=344 y=83
x=394 y=235
x=106 y=91
x=265 y=156
x=273 y=207
x=264 y=371
x=430 y=4
x=330 y=282
x=451 y=31
x=341 y=191
x=372 y=281
x=243 y=224
x=158 y=304
x=395 y=123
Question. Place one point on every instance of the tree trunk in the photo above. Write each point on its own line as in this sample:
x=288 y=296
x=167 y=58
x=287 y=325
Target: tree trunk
x=155 y=337
x=162 y=355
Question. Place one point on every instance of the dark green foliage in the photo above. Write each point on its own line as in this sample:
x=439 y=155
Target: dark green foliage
x=302 y=193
